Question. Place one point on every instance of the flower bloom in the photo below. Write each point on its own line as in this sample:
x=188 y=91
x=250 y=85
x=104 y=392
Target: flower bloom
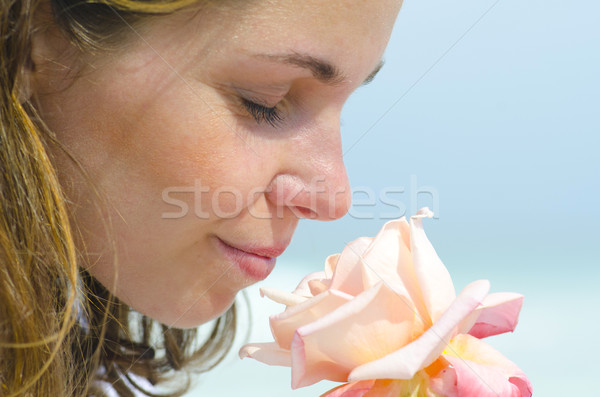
x=384 y=317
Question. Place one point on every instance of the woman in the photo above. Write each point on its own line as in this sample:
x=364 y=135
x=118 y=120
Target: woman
x=156 y=158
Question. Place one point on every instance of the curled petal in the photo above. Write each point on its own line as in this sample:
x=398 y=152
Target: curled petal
x=499 y=313
x=319 y=286
x=404 y=363
x=282 y=297
x=330 y=265
x=444 y=383
x=436 y=284
x=481 y=371
x=389 y=259
x=303 y=288
x=364 y=329
x=268 y=353
x=284 y=325
x=348 y=275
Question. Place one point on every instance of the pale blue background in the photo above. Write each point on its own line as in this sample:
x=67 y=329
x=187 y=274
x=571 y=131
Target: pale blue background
x=500 y=121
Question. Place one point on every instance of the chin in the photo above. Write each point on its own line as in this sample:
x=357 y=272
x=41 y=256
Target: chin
x=196 y=314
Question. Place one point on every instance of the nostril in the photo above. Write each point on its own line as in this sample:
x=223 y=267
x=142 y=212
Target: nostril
x=307 y=213
x=326 y=197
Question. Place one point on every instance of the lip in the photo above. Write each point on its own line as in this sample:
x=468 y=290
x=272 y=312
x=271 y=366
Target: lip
x=256 y=262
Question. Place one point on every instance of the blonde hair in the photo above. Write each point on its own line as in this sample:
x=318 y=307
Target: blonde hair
x=60 y=330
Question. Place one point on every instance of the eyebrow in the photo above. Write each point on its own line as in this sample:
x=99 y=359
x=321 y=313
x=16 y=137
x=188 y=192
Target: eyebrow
x=320 y=69
x=371 y=77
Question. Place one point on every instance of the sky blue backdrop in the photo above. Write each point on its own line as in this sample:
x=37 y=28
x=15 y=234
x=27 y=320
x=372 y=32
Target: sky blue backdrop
x=493 y=106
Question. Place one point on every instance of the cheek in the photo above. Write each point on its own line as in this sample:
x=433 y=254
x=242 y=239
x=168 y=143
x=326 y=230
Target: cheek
x=146 y=141
x=191 y=149
x=167 y=137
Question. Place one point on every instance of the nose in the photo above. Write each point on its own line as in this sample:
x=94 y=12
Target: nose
x=314 y=183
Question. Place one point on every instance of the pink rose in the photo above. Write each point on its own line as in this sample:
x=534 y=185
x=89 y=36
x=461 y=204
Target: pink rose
x=384 y=316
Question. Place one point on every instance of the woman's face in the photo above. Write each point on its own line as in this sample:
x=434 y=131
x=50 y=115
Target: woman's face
x=209 y=135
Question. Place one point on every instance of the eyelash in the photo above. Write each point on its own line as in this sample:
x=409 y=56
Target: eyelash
x=262 y=113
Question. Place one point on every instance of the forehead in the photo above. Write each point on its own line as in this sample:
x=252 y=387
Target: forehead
x=349 y=31
x=343 y=20
x=351 y=35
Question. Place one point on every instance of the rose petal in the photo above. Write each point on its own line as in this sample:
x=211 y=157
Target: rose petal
x=268 y=353
x=330 y=265
x=348 y=275
x=386 y=253
x=319 y=286
x=481 y=371
x=303 y=288
x=416 y=387
x=444 y=383
x=364 y=329
x=499 y=313
x=355 y=389
x=284 y=325
x=404 y=363
x=433 y=277
x=389 y=259
x=282 y=297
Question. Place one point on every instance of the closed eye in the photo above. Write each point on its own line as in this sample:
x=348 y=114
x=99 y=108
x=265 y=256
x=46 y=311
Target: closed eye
x=260 y=113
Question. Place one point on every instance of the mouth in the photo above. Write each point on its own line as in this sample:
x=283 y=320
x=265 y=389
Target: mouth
x=254 y=261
